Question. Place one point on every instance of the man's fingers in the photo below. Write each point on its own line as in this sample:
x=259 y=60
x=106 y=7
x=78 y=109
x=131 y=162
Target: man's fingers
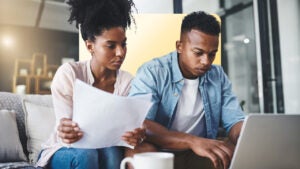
x=228 y=150
x=221 y=154
x=223 y=157
x=214 y=159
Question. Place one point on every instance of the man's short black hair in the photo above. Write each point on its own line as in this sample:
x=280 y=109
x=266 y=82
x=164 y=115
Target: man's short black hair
x=200 y=21
x=95 y=16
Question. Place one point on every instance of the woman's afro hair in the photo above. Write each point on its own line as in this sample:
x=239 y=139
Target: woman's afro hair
x=95 y=16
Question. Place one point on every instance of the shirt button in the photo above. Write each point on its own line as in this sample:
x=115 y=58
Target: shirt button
x=175 y=94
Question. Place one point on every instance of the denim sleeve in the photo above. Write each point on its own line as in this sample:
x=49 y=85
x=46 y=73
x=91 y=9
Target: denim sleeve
x=231 y=110
x=145 y=83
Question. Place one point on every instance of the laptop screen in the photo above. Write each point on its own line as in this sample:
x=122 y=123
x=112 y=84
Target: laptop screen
x=268 y=141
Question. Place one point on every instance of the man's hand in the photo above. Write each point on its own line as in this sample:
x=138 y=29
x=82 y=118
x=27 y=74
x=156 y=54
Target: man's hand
x=219 y=152
x=69 y=131
x=135 y=137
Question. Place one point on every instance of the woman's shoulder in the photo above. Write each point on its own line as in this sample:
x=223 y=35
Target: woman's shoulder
x=122 y=84
x=124 y=75
x=73 y=65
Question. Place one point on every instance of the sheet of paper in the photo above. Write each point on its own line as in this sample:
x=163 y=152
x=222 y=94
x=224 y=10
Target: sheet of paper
x=104 y=117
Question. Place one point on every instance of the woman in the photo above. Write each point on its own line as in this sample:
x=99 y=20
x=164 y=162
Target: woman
x=102 y=24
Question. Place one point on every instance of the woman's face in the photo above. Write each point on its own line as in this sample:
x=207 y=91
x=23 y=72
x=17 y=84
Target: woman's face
x=109 y=49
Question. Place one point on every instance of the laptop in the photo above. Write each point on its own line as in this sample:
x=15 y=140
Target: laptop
x=268 y=142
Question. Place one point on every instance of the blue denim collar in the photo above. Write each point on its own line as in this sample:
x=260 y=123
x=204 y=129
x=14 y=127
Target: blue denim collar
x=176 y=72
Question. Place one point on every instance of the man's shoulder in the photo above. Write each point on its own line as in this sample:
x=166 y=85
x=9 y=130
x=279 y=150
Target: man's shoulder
x=216 y=70
x=162 y=62
x=216 y=67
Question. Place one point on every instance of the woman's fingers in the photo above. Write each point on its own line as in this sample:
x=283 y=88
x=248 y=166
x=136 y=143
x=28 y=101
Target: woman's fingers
x=69 y=131
x=140 y=133
x=70 y=135
x=69 y=141
x=134 y=137
x=130 y=138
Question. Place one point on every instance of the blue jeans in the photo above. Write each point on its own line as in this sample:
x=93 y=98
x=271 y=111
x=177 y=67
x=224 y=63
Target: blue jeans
x=72 y=158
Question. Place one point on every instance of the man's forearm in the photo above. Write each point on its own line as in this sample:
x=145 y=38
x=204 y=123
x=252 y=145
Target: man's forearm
x=234 y=132
x=164 y=138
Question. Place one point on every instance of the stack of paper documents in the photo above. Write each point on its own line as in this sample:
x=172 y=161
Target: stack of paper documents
x=104 y=117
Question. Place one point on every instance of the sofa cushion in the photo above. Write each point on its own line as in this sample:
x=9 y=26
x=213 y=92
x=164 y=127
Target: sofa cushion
x=14 y=165
x=10 y=147
x=11 y=101
x=39 y=121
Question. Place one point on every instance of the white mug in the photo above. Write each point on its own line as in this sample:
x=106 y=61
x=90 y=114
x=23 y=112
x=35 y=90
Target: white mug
x=150 y=160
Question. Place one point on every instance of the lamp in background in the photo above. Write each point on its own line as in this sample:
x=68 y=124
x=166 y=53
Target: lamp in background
x=7 y=41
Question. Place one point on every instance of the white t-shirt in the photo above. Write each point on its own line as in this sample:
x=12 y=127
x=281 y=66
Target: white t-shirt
x=189 y=117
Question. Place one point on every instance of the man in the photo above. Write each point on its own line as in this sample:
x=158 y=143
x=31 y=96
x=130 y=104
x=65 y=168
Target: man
x=191 y=99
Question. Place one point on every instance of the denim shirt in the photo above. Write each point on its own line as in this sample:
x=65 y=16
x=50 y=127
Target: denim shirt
x=163 y=79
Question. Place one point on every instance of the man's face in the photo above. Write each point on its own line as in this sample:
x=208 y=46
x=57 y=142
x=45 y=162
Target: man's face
x=197 y=51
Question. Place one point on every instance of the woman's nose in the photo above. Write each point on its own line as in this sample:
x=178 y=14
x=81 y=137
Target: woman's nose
x=120 y=51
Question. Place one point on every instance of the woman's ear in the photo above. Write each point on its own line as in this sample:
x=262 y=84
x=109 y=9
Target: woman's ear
x=178 y=46
x=90 y=46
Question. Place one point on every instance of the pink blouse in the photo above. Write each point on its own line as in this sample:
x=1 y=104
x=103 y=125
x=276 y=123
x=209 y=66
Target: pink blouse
x=62 y=95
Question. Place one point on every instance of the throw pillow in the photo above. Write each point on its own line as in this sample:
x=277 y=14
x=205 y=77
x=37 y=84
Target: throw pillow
x=10 y=148
x=39 y=122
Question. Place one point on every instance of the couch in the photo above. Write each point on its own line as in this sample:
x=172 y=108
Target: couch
x=26 y=121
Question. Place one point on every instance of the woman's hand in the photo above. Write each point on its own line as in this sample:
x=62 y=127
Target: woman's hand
x=68 y=131
x=135 y=137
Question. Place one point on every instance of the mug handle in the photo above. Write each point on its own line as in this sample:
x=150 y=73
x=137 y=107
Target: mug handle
x=125 y=160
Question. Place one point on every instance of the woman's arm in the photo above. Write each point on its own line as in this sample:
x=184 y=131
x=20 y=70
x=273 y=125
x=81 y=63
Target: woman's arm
x=62 y=96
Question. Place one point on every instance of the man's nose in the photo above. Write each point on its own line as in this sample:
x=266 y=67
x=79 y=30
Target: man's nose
x=205 y=60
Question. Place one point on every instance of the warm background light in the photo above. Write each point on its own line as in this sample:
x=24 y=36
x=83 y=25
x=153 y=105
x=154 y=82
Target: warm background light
x=7 y=41
x=154 y=35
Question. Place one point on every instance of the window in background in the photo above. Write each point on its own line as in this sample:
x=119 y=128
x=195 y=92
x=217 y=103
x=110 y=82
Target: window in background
x=252 y=56
x=154 y=6
x=289 y=26
x=189 y=6
x=239 y=56
x=233 y=3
